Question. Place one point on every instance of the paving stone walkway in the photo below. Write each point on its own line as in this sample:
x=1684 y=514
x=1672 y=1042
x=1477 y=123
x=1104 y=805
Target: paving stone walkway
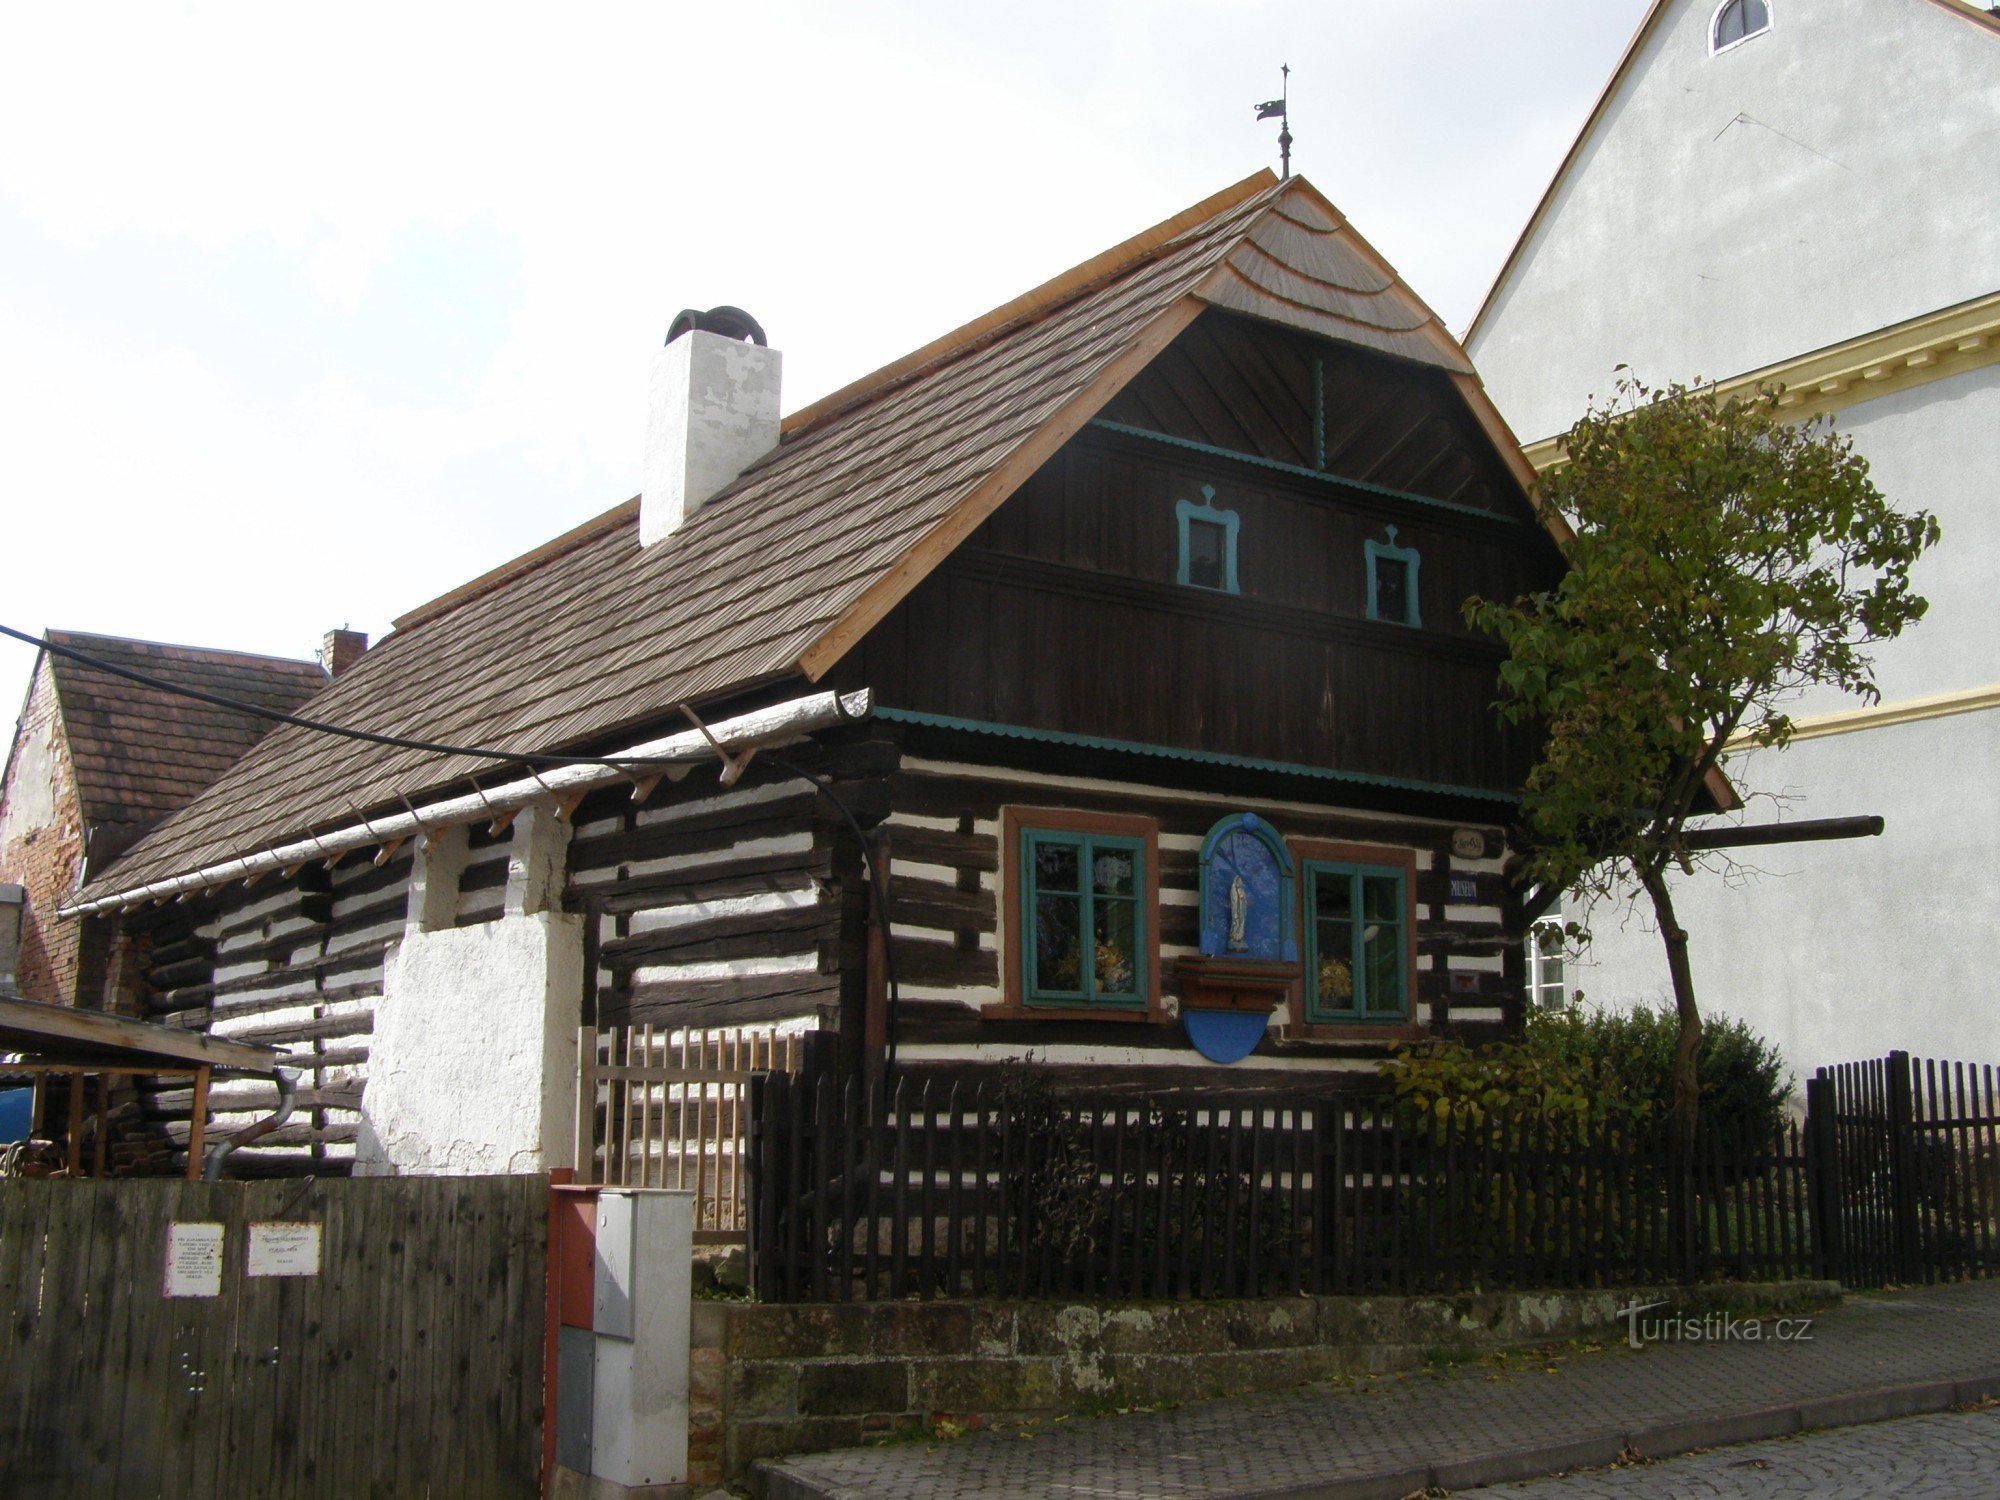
x=1951 y=1456
x=1876 y=1356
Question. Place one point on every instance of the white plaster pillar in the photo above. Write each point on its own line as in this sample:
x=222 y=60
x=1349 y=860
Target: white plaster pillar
x=435 y=869
x=472 y=1067
x=537 y=861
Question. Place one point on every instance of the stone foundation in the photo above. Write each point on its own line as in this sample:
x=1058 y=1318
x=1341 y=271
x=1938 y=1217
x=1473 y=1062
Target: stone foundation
x=771 y=1380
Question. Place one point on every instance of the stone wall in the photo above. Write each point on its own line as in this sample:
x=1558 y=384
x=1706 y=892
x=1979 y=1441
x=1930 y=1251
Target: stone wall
x=771 y=1380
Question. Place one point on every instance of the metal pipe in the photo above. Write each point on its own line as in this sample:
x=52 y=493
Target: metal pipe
x=779 y=724
x=288 y=1095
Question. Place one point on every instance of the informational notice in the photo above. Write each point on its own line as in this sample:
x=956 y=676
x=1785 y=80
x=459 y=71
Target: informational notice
x=278 y=1249
x=194 y=1261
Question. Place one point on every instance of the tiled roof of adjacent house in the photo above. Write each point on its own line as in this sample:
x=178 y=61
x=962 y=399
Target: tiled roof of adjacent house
x=140 y=752
x=781 y=573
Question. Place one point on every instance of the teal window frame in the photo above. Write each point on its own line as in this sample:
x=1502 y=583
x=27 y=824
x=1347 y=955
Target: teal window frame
x=1357 y=1009
x=1380 y=552
x=1086 y=845
x=1186 y=513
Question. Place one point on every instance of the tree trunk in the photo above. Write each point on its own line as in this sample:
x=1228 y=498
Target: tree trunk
x=1687 y=1048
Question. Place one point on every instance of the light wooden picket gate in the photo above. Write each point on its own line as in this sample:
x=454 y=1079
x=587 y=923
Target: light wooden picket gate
x=670 y=1108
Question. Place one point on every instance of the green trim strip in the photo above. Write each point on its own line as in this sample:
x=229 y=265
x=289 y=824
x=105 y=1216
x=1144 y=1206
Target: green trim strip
x=1202 y=757
x=1123 y=430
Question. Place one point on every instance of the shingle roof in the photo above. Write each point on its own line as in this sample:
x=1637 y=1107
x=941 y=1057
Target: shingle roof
x=782 y=572
x=139 y=752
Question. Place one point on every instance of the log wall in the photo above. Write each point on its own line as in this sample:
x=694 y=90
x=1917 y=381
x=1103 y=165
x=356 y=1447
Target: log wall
x=947 y=864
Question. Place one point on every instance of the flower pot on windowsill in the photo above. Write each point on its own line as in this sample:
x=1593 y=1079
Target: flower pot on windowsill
x=1227 y=1000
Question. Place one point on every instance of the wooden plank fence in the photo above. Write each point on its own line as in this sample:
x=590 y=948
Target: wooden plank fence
x=411 y=1364
x=669 y=1108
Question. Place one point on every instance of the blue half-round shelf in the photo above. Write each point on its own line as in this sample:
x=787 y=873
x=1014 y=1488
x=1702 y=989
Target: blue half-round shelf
x=1224 y=1036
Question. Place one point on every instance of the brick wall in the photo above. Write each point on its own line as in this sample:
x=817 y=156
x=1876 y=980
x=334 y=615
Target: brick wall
x=41 y=844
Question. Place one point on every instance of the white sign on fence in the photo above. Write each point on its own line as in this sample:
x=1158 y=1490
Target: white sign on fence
x=194 y=1261
x=278 y=1249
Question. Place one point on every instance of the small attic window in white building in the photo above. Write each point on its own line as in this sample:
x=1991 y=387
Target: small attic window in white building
x=1738 y=21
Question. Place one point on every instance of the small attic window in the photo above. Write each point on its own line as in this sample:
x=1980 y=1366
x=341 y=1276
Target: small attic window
x=1207 y=544
x=1392 y=581
x=1738 y=21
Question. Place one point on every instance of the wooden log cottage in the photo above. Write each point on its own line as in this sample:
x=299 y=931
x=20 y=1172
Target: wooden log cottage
x=1109 y=647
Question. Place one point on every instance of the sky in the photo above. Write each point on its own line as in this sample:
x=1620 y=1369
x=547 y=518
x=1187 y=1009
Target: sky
x=308 y=315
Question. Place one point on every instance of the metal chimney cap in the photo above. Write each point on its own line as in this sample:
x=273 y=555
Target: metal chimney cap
x=726 y=322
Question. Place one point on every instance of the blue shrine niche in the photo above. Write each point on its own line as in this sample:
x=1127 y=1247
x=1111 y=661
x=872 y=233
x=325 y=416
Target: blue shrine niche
x=1249 y=955
x=1246 y=892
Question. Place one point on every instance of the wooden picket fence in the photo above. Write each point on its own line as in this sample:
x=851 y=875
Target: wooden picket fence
x=669 y=1108
x=928 y=1189
x=1917 y=1197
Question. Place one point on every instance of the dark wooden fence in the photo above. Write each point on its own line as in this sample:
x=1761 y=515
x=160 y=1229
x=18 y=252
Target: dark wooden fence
x=1916 y=1196
x=410 y=1365
x=993 y=1190
x=973 y=1191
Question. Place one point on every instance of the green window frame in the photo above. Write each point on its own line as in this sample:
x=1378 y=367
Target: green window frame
x=1074 y=884
x=1187 y=516
x=1383 y=556
x=1368 y=958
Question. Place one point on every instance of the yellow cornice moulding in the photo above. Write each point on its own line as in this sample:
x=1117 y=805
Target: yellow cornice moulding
x=1912 y=353
x=1881 y=715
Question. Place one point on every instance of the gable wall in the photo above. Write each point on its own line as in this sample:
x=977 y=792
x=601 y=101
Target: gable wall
x=1062 y=612
x=1814 y=183
x=42 y=844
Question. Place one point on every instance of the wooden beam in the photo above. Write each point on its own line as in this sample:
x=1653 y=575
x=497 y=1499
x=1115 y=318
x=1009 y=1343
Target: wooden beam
x=197 y=1125
x=30 y=1026
x=75 y=1122
x=103 y=1126
x=387 y=852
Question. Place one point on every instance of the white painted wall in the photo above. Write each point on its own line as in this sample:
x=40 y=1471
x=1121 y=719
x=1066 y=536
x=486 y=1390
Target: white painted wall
x=1816 y=183
x=1938 y=446
x=1822 y=180
x=1844 y=950
x=473 y=1067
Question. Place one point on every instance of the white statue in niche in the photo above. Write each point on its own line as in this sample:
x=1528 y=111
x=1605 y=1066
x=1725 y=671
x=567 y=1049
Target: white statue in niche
x=1239 y=913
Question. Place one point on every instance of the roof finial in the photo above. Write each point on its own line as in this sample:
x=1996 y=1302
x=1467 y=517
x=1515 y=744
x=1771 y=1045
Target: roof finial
x=1278 y=108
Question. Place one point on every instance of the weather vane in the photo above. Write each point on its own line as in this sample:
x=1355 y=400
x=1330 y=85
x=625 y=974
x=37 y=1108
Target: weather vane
x=1276 y=109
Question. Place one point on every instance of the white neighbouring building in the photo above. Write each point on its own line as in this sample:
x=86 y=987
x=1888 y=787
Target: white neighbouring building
x=1807 y=192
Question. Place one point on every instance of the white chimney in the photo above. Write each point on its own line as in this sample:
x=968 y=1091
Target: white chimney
x=713 y=412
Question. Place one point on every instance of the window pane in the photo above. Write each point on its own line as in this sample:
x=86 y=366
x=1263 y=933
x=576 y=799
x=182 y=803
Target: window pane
x=1730 y=27
x=1055 y=866
x=1392 y=589
x=1058 y=943
x=1382 y=898
x=1206 y=541
x=1113 y=871
x=1382 y=955
x=1117 y=946
x=1333 y=910
x=1333 y=896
